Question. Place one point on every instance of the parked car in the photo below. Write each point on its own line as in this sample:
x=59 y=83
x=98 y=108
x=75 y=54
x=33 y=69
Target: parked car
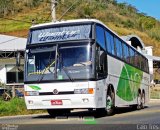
x=19 y=93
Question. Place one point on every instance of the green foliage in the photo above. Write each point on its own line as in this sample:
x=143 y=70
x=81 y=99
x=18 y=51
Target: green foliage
x=128 y=24
x=146 y=23
x=9 y=26
x=12 y=6
x=6 y=6
x=15 y=107
x=154 y=33
x=32 y=3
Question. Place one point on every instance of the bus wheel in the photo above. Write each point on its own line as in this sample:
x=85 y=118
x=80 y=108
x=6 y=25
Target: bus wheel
x=139 y=102
x=142 y=100
x=110 y=103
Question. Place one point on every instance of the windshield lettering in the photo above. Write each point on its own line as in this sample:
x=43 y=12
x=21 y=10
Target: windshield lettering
x=57 y=35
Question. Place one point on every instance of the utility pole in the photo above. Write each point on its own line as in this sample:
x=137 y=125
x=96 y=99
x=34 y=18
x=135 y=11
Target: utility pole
x=53 y=10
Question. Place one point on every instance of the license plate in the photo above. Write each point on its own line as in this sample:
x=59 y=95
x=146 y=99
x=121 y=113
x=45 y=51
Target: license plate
x=56 y=102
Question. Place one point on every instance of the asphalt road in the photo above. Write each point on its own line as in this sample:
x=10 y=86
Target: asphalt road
x=124 y=118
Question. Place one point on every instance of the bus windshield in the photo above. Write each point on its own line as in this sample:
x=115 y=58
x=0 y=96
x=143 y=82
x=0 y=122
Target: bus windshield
x=41 y=63
x=66 y=62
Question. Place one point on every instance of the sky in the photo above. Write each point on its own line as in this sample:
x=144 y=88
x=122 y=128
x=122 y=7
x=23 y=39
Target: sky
x=149 y=7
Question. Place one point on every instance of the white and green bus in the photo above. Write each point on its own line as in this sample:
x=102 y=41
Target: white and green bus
x=82 y=64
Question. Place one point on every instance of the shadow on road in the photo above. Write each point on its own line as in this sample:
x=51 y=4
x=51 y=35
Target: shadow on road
x=86 y=113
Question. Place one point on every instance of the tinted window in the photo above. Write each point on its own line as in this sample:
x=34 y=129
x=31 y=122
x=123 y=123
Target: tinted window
x=132 y=56
x=101 y=62
x=126 y=53
x=146 y=64
x=138 y=60
x=142 y=63
x=110 y=42
x=100 y=38
x=119 y=48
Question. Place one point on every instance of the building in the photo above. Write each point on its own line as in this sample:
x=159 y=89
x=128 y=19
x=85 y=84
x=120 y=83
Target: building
x=11 y=50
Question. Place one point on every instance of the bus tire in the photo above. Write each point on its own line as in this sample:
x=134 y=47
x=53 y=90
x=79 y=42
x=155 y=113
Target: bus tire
x=142 y=100
x=110 y=103
x=139 y=102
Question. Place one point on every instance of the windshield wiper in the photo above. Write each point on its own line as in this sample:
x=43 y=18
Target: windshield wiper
x=50 y=64
x=45 y=69
x=65 y=69
x=66 y=72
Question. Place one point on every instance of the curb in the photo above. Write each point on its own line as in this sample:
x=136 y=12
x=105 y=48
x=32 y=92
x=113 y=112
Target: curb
x=154 y=100
x=18 y=116
x=31 y=115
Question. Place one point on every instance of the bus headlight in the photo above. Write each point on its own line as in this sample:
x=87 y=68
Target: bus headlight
x=31 y=93
x=84 y=91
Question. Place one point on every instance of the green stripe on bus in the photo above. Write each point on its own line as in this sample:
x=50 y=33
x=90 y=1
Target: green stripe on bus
x=35 y=87
x=129 y=83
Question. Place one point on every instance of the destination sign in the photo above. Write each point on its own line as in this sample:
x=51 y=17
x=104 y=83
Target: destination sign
x=60 y=34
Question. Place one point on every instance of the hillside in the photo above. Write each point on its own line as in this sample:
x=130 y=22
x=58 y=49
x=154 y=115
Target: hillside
x=16 y=17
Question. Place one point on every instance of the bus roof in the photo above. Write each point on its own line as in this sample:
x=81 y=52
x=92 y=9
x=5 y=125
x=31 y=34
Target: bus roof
x=67 y=22
x=74 y=21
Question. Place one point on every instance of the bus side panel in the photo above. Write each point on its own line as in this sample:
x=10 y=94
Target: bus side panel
x=145 y=87
x=114 y=71
x=126 y=81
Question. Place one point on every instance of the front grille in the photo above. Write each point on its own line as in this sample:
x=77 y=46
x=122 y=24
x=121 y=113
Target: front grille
x=60 y=93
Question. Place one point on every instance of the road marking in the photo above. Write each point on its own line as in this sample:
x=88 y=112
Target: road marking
x=19 y=116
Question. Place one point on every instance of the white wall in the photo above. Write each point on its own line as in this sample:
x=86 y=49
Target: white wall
x=2 y=74
x=4 y=62
x=149 y=50
x=150 y=62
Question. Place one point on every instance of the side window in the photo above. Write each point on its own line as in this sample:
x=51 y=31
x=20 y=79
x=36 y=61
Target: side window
x=101 y=62
x=139 y=61
x=110 y=42
x=132 y=56
x=147 y=66
x=136 y=59
x=142 y=63
x=100 y=37
x=119 y=48
x=126 y=53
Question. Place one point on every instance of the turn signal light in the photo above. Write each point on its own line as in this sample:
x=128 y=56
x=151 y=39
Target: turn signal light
x=90 y=91
x=84 y=91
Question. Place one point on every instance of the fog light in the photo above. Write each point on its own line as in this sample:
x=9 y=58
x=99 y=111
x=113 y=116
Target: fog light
x=31 y=93
x=30 y=102
x=85 y=100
